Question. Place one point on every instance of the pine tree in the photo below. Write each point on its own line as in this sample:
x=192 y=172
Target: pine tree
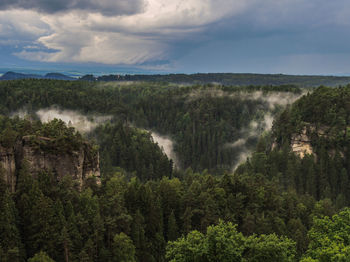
x=123 y=249
x=10 y=240
x=41 y=257
x=173 y=231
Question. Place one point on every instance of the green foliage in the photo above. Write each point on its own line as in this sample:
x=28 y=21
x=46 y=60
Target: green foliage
x=123 y=249
x=53 y=136
x=10 y=241
x=132 y=149
x=323 y=118
x=201 y=120
x=186 y=249
x=269 y=248
x=40 y=257
x=223 y=243
x=325 y=112
x=229 y=79
x=8 y=137
x=271 y=199
x=172 y=227
x=59 y=220
x=330 y=238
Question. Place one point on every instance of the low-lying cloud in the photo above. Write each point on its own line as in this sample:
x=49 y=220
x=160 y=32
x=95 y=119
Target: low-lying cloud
x=272 y=98
x=238 y=143
x=257 y=126
x=167 y=145
x=276 y=98
x=255 y=129
x=242 y=157
x=82 y=123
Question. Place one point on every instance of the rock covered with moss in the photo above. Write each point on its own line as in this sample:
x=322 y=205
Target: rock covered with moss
x=51 y=147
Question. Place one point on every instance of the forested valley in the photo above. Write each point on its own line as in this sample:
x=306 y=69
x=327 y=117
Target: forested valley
x=203 y=202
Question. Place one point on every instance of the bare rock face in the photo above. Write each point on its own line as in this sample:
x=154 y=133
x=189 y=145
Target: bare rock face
x=8 y=166
x=79 y=164
x=91 y=167
x=301 y=144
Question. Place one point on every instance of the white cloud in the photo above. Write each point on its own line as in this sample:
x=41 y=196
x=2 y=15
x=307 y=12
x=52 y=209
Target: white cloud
x=167 y=145
x=82 y=123
x=150 y=30
x=171 y=16
x=21 y=25
x=128 y=39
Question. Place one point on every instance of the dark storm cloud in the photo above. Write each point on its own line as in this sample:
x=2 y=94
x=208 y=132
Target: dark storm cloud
x=106 y=7
x=266 y=36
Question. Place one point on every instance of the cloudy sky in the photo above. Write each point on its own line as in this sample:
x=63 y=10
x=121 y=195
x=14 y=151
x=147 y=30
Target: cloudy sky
x=262 y=36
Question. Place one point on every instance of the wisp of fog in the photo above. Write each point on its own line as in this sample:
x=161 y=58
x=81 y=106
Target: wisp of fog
x=167 y=145
x=80 y=122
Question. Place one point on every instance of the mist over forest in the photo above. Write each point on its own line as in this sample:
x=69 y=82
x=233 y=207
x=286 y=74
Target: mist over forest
x=174 y=131
x=234 y=126
x=146 y=171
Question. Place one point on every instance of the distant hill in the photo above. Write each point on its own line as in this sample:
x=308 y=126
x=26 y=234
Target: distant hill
x=227 y=79
x=14 y=76
x=58 y=76
x=230 y=79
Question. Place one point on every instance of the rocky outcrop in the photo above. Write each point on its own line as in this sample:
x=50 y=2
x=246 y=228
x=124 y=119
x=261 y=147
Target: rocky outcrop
x=81 y=163
x=8 y=166
x=301 y=144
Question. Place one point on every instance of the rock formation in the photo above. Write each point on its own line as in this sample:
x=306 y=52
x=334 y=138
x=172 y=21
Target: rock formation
x=80 y=164
x=301 y=144
x=8 y=166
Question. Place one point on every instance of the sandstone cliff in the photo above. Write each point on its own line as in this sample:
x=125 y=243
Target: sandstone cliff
x=8 y=166
x=42 y=154
x=301 y=144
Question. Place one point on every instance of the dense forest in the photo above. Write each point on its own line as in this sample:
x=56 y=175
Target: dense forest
x=63 y=138
x=132 y=149
x=229 y=79
x=203 y=121
x=324 y=117
x=277 y=206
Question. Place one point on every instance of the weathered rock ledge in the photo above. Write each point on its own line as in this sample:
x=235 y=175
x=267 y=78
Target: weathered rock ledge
x=79 y=164
x=301 y=144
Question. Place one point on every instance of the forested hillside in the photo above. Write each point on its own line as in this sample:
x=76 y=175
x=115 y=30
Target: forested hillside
x=287 y=202
x=227 y=79
x=323 y=120
x=205 y=122
x=132 y=149
x=230 y=79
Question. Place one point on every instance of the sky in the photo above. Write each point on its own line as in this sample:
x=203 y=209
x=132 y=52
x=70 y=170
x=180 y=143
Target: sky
x=176 y=36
